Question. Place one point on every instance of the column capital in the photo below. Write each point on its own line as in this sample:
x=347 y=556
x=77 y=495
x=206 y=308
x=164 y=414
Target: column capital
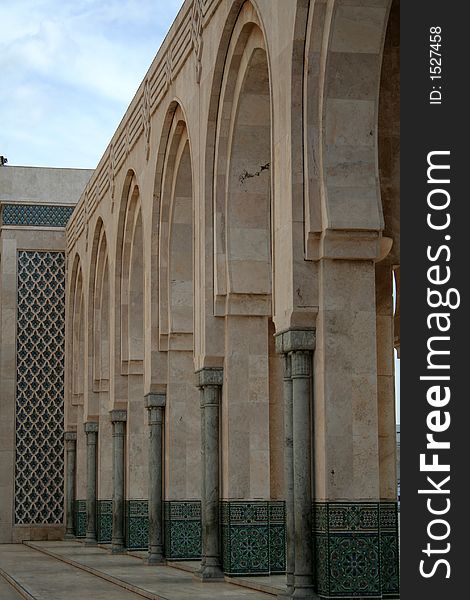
x=118 y=415
x=292 y=340
x=70 y=436
x=287 y=374
x=213 y=376
x=91 y=427
x=155 y=401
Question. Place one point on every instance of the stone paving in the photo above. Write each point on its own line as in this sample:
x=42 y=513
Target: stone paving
x=6 y=591
x=73 y=571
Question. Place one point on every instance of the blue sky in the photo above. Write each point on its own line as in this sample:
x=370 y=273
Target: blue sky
x=68 y=70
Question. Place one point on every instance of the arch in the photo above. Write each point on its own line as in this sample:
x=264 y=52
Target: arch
x=100 y=309
x=176 y=318
x=388 y=330
x=343 y=61
x=242 y=176
x=77 y=341
x=78 y=334
x=243 y=266
x=129 y=335
x=130 y=280
x=176 y=263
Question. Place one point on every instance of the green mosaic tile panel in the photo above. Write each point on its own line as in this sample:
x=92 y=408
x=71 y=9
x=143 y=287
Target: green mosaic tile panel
x=80 y=519
x=40 y=330
x=389 y=550
x=183 y=531
x=253 y=537
x=137 y=524
x=277 y=537
x=356 y=549
x=36 y=215
x=104 y=521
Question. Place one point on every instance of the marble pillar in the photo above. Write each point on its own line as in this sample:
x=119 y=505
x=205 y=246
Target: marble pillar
x=70 y=438
x=118 y=419
x=91 y=430
x=288 y=473
x=210 y=382
x=297 y=347
x=155 y=403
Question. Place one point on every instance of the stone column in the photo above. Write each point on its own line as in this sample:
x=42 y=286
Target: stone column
x=91 y=430
x=118 y=419
x=155 y=403
x=70 y=438
x=297 y=347
x=288 y=471
x=210 y=381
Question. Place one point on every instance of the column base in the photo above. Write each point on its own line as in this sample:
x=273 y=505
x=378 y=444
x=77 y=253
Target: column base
x=69 y=536
x=306 y=593
x=89 y=541
x=155 y=558
x=117 y=548
x=210 y=573
x=288 y=592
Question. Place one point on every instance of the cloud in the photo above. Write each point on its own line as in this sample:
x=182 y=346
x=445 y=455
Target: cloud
x=69 y=70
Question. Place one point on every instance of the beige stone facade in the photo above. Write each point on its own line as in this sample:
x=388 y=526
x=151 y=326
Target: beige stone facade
x=35 y=204
x=229 y=295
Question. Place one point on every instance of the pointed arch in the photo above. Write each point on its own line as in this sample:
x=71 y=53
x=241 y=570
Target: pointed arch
x=130 y=281
x=242 y=186
x=176 y=241
x=242 y=178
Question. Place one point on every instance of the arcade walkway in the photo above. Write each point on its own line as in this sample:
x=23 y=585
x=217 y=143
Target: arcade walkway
x=73 y=571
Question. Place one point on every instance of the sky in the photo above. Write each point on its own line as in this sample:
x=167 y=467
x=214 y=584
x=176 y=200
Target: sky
x=68 y=71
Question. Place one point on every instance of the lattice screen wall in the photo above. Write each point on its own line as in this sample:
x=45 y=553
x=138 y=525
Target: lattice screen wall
x=39 y=467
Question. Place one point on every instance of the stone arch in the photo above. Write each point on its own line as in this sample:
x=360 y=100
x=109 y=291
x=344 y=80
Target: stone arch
x=389 y=267
x=100 y=298
x=100 y=354
x=243 y=271
x=242 y=178
x=176 y=272
x=158 y=358
x=129 y=336
x=344 y=47
x=131 y=279
x=176 y=300
x=78 y=332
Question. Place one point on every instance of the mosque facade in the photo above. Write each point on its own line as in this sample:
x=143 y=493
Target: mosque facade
x=197 y=343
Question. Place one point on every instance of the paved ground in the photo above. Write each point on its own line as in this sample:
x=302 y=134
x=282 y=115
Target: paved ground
x=72 y=571
x=7 y=592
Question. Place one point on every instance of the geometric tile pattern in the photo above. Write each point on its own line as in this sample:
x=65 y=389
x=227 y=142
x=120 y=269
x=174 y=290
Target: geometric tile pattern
x=354 y=549
x=36 y=215
x=389 y=550
x=104 y=521
x=183 y=530
x=137 y=524
x=253 y=537
x=277 y=537
x=39 y=465
x=80 y=518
